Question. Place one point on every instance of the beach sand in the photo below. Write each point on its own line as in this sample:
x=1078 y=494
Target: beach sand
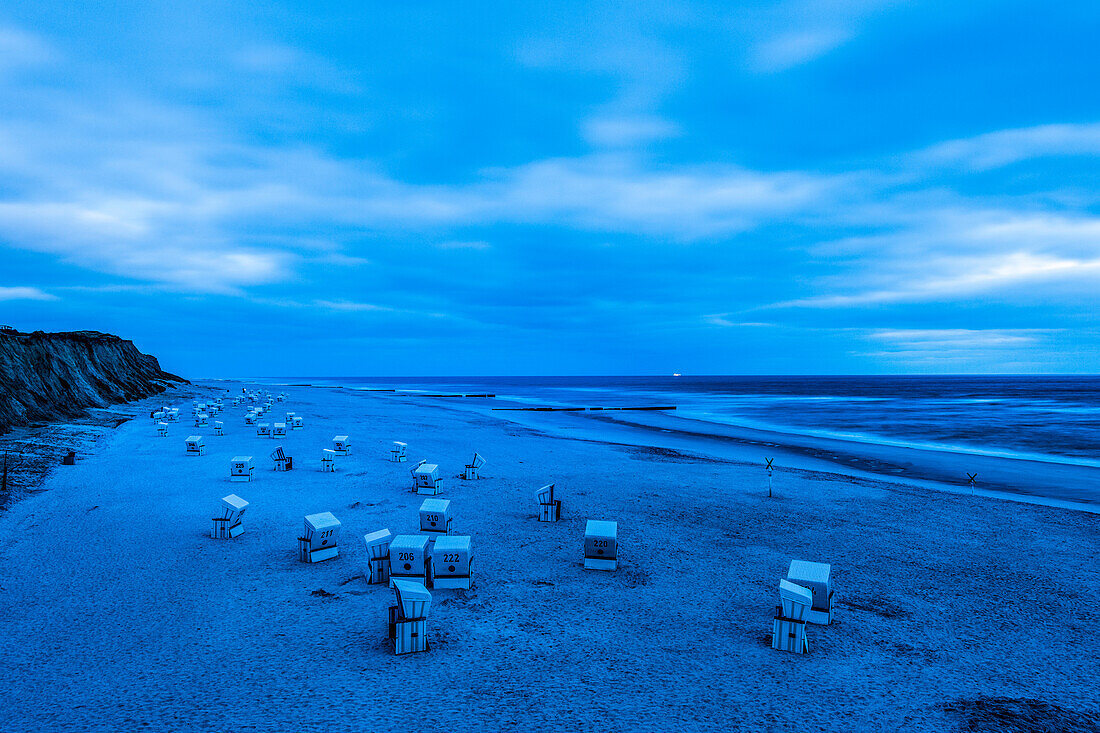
x=120 y=612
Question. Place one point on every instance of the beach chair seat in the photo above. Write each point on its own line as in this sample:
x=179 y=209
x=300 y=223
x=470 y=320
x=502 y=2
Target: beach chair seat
x=341 y=445
x=452 y=562
x=378 y=556
x=194 y=445
x=435 y=517
x=410 y=558
x=549 y=507
x=601 y=545
x=398 y=452
x=320 y=540
x=228 y=525
x=815 y=577
x=473 y=468
x=428 y=481
x=789 y=623
x=328 y=460
x=408 y=620
x=240 y=468
x=162 y=429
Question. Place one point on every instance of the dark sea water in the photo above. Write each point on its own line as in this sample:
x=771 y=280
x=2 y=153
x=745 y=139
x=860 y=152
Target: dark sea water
x=1053 y=418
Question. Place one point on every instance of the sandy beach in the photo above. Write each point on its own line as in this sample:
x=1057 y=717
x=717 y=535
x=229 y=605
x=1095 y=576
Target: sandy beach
x=120 y=612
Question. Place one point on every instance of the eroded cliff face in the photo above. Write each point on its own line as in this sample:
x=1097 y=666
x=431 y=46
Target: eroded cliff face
x=57 y=376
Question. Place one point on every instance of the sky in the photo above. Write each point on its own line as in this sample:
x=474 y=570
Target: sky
x=440 y=188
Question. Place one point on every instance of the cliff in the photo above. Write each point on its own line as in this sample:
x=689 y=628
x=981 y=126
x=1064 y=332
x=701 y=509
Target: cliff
x=57 y=376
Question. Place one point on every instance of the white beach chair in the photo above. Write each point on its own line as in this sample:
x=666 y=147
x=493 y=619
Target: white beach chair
x=240 y=468
x=408 y=620
x=328 y=460
x=219 y=427
x=321 y=538
x=263 y=429
x=814 y=576
x=412 y=472
x=173 y=414
x=162 y=429
x=278 y=430
x=201 y=420
x=789 y=624
x=378 y=556
x=452 y=562
x=428 y=482
x=601 y=545
x=549 y=507
x=296 y=423
x=250 y=418
x=157 y=415
x=435 y=516
x=473 y=468
x=398 y=452
x=195 y=445
x=410 y=558
x=341 y=444
x=282 y=462
x=228 y=525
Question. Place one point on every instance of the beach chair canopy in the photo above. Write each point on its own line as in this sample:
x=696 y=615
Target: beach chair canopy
x=477 y=461
x=413 y=599
x=546 y=494
x=378 y=543
x=277 y=454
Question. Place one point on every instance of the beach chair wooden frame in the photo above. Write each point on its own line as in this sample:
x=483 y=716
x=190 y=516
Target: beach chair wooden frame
x=240 y=468
x=549 y=507
x=789 y=622
x=601 y=545
x=473 y=468
x=452 y=562
x=378 y=556
x=427 y=480
x=321 y=540
x=229 y=525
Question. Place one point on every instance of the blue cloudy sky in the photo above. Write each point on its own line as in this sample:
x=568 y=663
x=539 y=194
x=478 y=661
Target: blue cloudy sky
x=804 y=186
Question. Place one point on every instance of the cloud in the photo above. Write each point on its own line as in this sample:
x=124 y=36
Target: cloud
x=20 y=49
x=797 y=47
x=464 y=245
x=627 y=131
x=24 y=293
x=1004 y=147
x=346 y=305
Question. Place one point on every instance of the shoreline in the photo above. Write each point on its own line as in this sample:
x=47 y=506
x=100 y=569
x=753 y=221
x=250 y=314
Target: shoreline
x=1000 y=477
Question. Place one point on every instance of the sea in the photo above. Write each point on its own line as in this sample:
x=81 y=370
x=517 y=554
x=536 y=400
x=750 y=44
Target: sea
x=1054 y=419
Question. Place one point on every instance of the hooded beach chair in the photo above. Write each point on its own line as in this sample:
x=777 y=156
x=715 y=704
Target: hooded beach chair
x=410 y=558
x=397 y=452
x=435 y=517
x=162 y=429
x=378 y=556
x=263 y=429
x=278 y=430
x=321 y=538
x=228 y=525
x=408 y=620
x=601 y=545
x=201 y=420
x=328 y=460
x=549 y=507
x=296 y=423
x=428 y=482
x=341 y=444
x=240 y=468
x=452 y=562
x=195 y=445
x=412 y=472
x=814 y=576
x=789 y=624
x=219 y=427
x=282 y=461
x=473 y=468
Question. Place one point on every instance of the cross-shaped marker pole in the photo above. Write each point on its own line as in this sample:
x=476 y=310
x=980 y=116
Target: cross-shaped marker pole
x=972 y=478
x=768 y=468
